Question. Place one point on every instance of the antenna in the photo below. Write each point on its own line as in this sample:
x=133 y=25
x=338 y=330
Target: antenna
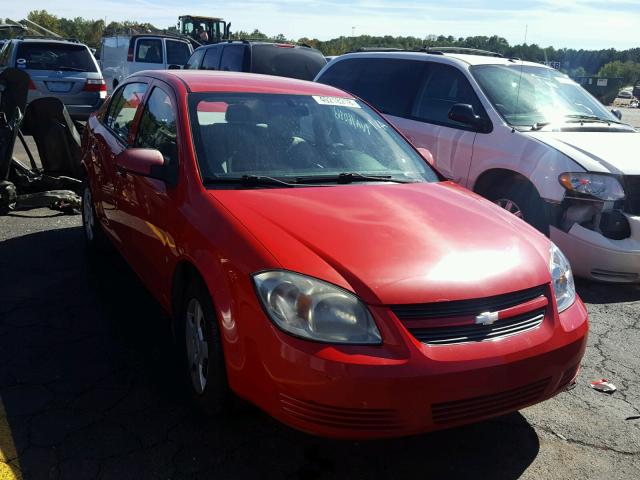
x=526 y=29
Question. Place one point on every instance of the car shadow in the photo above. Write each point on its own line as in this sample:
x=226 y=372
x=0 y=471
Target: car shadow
x=602 y=293
x=91 y=387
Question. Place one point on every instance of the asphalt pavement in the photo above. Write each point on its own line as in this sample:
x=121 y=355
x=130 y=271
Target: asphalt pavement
x=90 y=388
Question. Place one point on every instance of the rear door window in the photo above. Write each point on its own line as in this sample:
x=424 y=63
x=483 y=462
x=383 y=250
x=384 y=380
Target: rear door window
x=344 y=74
x=444 y=86
x=388 y=84
x=232 y=58
x=149 y=50
x=177 y=52
x=5 y=54
x=157 y=128
x=123 y=107
x=195 y=60
x=211 y=58
x=55 y=56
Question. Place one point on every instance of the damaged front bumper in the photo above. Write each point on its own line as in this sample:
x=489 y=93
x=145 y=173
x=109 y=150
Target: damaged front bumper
x=601 y=241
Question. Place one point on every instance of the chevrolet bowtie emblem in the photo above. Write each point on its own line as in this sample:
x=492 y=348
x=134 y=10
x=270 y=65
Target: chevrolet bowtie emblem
x=486 y=318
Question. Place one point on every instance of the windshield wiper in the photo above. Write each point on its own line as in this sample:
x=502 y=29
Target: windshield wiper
x=248 y=180
x=539 y=125
x=578 y=117
x=350 y=177
x=72 y=69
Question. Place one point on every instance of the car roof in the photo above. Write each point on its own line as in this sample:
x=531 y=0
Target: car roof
x=59 y=41
x=217 y=81
x=258 y=42
x=148 y=35
x=457 y=58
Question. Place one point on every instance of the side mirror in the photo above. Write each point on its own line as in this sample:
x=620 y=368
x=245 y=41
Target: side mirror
x=426 y=154
x=464 y=113
x=145 y=162
x=174 y=67
x=617 y=113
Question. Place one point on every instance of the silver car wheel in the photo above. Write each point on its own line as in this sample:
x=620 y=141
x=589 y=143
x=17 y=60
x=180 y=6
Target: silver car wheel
x=88 y=219
x=510 y=206
x=197 y=347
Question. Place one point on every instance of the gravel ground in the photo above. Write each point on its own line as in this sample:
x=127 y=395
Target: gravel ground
x=90 y=390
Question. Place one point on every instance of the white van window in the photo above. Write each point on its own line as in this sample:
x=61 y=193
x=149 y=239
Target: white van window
x=149 y=50
x=444 y=86
x=177 y=52
x=389 y=84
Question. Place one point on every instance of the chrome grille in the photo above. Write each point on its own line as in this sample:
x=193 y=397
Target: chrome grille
x=478 y=333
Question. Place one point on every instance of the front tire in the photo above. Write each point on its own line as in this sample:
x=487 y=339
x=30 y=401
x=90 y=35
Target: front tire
x=202 y=350
x=95 y=239
x=522 y=200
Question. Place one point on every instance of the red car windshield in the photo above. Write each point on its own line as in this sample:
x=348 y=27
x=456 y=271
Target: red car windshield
x=298 y=138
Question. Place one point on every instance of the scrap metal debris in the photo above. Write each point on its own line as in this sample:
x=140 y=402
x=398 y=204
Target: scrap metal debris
x=603 y=385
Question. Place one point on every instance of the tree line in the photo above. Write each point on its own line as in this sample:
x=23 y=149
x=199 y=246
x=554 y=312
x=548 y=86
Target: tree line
x=576 y=63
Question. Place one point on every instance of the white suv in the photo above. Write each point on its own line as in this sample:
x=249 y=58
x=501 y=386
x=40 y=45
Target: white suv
x=521 y=134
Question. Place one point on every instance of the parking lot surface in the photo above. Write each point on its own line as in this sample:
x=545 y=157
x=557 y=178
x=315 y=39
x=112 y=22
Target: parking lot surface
x=90 y=388
x=631 y=116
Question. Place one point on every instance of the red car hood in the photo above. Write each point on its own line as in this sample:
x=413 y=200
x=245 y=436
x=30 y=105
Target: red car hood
x=395 y=244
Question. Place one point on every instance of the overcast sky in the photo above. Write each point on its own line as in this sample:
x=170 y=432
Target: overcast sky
x=590 y=24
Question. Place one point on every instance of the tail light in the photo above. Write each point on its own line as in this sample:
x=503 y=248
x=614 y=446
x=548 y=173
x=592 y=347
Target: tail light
x=130 y=54
x=32 y=86
x=96 y=85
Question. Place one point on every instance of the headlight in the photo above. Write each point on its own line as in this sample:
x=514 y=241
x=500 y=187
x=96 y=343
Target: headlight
x=603 y=187
x=315 y=310
x=562 y=278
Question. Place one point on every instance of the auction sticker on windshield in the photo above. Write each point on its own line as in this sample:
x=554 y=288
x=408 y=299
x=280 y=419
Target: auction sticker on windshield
x=336 y=101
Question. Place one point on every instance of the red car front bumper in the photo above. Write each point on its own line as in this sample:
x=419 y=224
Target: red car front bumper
x=405 y=387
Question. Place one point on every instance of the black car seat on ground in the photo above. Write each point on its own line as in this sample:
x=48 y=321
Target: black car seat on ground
x=56 y=137
x=14 y=87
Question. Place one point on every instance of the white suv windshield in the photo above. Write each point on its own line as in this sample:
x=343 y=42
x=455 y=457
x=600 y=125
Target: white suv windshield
x=530 y=96
x=298 y=139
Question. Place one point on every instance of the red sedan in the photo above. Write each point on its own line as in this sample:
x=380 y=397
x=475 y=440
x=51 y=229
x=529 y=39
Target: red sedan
x=314 y=263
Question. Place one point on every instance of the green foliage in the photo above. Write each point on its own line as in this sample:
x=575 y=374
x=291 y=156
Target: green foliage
x=45 y=19
x=629 y=71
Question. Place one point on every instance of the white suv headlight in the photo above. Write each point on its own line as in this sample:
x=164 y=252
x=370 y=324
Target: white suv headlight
x=312 y=309
x=563 y=286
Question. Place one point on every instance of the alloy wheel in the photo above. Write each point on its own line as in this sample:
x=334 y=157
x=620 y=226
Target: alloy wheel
x=197 y=346
x=88 y=219
x=510 y=206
